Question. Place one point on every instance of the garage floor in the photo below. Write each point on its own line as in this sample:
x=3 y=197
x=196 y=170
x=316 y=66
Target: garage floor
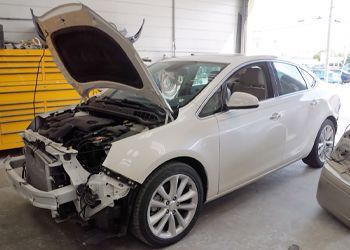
x=275 y=212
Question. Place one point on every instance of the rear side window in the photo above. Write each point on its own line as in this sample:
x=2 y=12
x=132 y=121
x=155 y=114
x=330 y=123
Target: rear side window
x=290 y=78
x=309 y=78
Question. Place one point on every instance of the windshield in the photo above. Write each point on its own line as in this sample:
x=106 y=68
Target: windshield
x=179 y=81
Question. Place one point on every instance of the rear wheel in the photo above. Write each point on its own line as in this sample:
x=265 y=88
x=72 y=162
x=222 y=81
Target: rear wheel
x=167 y=205
x=323 y=145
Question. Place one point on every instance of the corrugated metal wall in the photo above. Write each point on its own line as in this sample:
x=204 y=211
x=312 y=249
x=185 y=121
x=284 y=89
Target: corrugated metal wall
x=206 y=26
x=202 y=26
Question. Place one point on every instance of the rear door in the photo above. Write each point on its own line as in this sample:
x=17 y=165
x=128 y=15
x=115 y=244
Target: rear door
x=298 y=106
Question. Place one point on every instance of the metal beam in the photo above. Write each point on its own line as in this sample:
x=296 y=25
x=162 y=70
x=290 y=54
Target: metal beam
x=173 y=47
x=244 y=26
x=328 y=40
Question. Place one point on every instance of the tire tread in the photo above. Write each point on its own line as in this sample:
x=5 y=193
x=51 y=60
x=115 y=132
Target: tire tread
x=312 y=159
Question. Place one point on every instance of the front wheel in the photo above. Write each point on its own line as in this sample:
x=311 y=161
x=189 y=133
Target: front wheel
x=167 y=205
x=323 y=145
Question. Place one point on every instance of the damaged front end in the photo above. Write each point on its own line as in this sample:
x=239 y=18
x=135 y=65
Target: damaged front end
x=63 y=165
x=65 y=150
x=54 y=179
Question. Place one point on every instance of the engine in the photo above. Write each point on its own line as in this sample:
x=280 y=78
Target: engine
x=90 y=134
x=93 y=148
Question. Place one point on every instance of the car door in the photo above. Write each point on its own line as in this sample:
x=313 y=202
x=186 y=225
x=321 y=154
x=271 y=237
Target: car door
x=298 y=106
x=251 y=140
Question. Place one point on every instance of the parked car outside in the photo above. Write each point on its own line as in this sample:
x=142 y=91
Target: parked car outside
x=162 y=140
x=333 y=76
x=345 y=73
x=320 y=73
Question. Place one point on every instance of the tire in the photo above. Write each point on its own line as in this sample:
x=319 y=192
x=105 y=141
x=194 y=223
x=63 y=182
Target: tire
x=317 y=158
x=169 y=208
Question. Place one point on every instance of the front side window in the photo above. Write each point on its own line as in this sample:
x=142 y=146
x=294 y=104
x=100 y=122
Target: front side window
x=181 y=81
x=252 y=79
x=289 y=77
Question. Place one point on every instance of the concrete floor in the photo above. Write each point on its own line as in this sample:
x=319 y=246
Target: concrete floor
x=275 y=212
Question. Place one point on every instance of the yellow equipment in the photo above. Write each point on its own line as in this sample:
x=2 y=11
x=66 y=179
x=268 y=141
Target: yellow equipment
x=18 y=69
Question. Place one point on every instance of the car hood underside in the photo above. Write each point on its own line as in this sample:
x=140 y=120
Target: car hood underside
x=92 y=53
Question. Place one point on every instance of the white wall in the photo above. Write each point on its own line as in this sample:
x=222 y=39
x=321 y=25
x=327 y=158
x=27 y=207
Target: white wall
x=206 y=26
x=202 y=26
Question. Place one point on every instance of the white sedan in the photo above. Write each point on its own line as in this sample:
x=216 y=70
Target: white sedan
x=161 y=141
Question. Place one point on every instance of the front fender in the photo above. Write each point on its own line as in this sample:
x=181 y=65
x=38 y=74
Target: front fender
x=136 y=157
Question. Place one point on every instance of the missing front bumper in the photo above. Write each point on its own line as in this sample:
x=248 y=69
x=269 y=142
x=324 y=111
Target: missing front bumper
x=42 y=199
x=52 y=180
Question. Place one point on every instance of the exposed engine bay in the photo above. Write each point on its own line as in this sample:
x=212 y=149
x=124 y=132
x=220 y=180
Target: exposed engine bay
x=91 y=127
x=64 y=152
x=90 y=135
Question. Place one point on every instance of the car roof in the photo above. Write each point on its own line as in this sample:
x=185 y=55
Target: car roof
x=223 y=58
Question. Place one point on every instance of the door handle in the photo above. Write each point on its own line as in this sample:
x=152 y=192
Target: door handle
x=314 y=102
x=275 y=116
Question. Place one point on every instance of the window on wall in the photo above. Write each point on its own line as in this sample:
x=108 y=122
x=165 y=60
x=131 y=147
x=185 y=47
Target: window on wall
x=290 y=78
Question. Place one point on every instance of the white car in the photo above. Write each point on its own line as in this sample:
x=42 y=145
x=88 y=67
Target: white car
x=163 y=140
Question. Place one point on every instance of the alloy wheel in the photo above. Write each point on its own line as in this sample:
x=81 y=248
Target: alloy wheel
x=325 y=143
x=172 y=206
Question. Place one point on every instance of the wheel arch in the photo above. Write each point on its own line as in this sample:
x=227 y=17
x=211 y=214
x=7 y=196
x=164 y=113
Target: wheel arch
x=334 y=120
x=196 y=165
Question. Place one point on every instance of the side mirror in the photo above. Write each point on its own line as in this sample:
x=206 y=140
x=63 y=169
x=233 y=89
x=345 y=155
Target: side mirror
x=241 y=100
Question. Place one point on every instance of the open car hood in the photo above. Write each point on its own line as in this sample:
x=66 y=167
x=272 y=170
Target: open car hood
x=91 y=53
